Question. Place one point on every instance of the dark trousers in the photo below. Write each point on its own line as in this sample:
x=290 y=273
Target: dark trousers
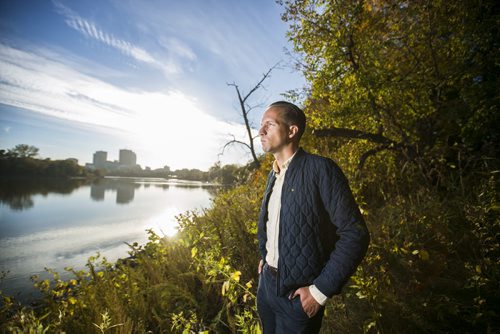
x=280 y=314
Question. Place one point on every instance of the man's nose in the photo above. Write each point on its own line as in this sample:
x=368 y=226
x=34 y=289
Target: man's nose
x=262 y=131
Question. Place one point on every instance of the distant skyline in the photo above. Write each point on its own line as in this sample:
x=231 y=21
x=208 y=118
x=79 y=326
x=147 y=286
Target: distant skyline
x=151 y=76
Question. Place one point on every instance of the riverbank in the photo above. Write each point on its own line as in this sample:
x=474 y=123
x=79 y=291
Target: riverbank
x=58 y=223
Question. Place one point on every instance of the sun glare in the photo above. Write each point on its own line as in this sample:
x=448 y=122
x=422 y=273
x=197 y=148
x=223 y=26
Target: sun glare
x=170 y=125
x=164 y=224
x=171 y=128
x=163 y=128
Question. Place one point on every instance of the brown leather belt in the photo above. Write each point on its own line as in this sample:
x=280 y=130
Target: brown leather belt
x=273 y=270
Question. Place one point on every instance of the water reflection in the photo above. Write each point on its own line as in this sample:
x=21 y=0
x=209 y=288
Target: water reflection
x=97 y=191
x=60 y=223
x=125 y=193
x=18 y=194
x=125 y=190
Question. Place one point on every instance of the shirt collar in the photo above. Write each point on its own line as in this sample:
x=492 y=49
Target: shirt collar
x=278 y=169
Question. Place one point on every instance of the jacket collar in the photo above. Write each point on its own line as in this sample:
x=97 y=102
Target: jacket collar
x=297 y=158
x=277 y=168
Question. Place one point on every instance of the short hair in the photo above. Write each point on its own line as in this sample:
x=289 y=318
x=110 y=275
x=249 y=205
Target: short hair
x=292 y=115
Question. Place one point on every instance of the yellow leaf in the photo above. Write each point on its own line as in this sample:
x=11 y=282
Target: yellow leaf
x=478 y=269
x=236 y=276
x=194 y=250
x=225 y=287
x=424 y=255
x=72 y=300
x=360 y=295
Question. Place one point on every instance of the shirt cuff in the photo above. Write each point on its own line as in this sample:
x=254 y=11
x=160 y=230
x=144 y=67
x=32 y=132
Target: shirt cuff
x=318 y=295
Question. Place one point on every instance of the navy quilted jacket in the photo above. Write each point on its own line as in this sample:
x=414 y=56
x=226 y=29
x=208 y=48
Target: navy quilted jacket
x=322 y=235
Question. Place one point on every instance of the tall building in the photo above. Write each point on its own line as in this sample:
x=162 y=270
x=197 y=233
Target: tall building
x=128 y=158
x=100 y=158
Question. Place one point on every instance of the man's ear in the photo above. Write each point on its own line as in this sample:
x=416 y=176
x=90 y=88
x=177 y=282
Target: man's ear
x=293 y=130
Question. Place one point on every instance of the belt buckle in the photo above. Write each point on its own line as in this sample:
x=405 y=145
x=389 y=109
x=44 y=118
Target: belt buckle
x=273 y=270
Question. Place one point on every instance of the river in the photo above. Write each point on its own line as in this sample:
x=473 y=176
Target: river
x=61 y=223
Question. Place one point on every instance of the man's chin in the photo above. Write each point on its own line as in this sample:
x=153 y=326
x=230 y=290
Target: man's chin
x=270 y=151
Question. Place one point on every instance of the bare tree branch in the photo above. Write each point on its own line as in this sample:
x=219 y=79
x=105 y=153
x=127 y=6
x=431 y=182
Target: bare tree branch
x=354 y=134
x=257 y=86
x=229 y=143
x=369 y=153
x=250 y=108
x=245 y=109
x=234 y=141
x=385 y=143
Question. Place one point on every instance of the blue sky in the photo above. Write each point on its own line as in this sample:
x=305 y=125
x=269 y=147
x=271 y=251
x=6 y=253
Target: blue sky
x=151 y=76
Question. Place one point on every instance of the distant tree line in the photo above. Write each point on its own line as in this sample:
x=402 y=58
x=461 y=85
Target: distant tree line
x=230 y=174
x=21 y=161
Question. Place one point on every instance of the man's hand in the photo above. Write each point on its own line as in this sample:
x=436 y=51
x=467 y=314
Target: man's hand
x=261 y=264
x=309 y=304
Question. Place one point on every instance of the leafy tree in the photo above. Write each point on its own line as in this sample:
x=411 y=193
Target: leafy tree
x=21 y=161
x=191 y=174
x=414 y=77
x=24 y=151
x=230 y=174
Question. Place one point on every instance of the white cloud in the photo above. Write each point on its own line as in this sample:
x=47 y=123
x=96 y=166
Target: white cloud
x=90 y=30
x=179 y=48
x=244 y=37
x=165 y=127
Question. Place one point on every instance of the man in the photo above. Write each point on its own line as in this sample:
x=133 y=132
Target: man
x=311 y=233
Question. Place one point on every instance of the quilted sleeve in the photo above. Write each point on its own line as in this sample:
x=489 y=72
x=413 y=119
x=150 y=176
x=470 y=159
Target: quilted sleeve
x=352 y=232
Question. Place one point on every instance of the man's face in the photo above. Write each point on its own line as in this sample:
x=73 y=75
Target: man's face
x=274 y=133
